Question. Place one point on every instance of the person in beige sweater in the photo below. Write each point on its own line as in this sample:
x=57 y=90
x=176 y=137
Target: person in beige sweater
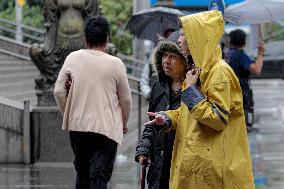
x=96 y=107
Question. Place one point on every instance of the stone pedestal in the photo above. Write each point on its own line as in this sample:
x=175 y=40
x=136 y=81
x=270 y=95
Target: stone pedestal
x=48 y=142
x=45 y=98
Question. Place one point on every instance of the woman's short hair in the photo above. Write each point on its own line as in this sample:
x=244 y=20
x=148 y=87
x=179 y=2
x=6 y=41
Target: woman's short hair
x=97 y=31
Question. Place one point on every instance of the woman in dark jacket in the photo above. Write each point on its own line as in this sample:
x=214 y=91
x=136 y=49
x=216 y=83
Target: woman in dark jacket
x=155 y=145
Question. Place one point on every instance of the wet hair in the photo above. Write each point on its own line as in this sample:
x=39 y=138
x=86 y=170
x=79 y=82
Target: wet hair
x=179 y=23
x=237 y=38
x=97 y=31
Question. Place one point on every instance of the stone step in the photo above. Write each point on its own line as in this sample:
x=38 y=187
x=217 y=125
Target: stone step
x=24 y=87
x=4 y=56
x=20 y=84
x=17 y=66
x=13 y=81
x=28 y=75
x=10 y=70
x=15 y=62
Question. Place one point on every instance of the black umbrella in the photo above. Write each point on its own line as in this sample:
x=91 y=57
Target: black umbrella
x=146 y=23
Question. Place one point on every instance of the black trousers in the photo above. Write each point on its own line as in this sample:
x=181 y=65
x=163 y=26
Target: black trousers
x=94 y=159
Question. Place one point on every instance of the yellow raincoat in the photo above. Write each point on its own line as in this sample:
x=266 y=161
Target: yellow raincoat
x=211 y=147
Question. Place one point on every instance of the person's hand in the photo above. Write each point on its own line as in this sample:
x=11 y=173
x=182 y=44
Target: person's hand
x=192 y=76
x=261 y=48
x=68 y=81
x=159 y=119
x=125 y=129
x=143 y=160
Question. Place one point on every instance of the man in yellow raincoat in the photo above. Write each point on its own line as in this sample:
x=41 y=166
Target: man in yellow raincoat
x=211 y=147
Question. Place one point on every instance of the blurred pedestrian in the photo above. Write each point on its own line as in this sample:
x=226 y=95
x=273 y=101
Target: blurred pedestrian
x=211 y=146
x=243 y=67
x=97 y=107
x=155 y=146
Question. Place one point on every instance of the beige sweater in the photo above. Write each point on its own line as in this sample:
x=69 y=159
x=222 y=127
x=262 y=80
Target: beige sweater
x=99 y=99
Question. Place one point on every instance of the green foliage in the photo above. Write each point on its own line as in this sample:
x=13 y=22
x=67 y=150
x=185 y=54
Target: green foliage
x=32 y=16
x=9 y=11
x=278 y=27
x=118 y=13
x=273 y=28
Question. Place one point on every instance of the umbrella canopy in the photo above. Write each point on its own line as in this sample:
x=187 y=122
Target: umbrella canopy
x=146 y=23
x=255 y=12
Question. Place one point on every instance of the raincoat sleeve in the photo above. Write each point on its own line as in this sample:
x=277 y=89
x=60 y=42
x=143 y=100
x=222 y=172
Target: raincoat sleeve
x=211 y=110
x=171 y=119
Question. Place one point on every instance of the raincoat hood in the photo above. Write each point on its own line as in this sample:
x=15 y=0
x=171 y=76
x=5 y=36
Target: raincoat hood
x=165 y=46
x=203 y=32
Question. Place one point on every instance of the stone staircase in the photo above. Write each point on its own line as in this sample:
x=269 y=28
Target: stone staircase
x=17 y=78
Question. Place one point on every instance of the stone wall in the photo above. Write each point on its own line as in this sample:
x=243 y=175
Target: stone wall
x=11 y=131
x=48 y=142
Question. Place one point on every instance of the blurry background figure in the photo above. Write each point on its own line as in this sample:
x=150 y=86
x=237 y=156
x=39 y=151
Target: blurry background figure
x=243 y=67
x=147 y=73
x=225 y=46
x=152 y=24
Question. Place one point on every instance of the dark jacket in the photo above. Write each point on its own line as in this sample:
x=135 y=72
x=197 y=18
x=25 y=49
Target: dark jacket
x=154 y=142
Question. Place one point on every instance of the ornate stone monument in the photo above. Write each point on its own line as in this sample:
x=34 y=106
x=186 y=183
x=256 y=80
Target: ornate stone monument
x=64 y=22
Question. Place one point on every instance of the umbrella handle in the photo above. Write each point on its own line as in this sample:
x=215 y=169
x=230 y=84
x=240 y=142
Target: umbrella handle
x=143 y=176
x=260 y=33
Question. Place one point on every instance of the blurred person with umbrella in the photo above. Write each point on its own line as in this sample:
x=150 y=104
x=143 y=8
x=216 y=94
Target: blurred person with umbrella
x=147 y=23
x=250 y=12
x=152 y=24
x=243 y=67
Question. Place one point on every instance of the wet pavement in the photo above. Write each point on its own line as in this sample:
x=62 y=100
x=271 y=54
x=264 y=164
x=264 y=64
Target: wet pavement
x=266 y=142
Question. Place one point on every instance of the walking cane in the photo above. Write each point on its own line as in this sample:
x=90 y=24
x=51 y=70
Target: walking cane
x=143 y=175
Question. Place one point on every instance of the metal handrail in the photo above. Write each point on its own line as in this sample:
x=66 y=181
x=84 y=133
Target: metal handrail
x=22 y=25
x=35 y=34
x=24 y=34
x=130 y=58
x=132 y=63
